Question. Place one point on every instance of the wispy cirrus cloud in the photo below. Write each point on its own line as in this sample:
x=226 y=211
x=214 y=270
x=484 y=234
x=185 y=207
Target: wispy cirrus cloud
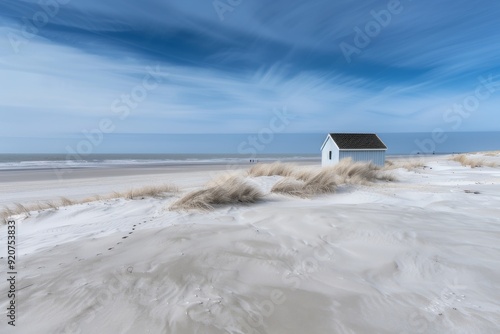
x=228 y=76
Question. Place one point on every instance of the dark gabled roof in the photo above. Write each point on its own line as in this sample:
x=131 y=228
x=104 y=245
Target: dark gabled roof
x=357 y=141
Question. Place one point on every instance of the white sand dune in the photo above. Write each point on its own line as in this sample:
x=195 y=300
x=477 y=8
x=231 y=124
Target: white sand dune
x=419 y=255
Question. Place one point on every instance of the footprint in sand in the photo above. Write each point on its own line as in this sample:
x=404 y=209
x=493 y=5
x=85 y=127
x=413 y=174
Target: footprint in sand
x=124 y=237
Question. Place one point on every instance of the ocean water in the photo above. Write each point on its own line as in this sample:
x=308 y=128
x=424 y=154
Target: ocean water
x=229 y=148
x=441 y=143
x=44 y=161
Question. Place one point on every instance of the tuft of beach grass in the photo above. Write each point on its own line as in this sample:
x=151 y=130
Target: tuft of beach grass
x=233 y=190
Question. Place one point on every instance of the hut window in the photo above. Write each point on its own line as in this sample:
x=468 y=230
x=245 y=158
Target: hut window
x=330 y=155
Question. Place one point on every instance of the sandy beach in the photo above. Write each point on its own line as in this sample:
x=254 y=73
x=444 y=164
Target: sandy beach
x=419 y=254
x=29 y=185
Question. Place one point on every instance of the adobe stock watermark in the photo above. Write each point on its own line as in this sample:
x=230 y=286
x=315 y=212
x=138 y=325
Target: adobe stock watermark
x=447 y=300
x=115 y=286
x=121 y=108
x=292 y=280
x=363 y=37
x=456 y=114
x=121 y=283
x=253 y=144
x=29 y=29
x=221 y=7
x=258 y=142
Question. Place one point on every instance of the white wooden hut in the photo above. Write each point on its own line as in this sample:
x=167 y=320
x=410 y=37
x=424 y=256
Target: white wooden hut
x=358 y=146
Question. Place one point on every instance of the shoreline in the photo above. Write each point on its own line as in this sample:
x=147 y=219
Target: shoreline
x=104 y=165
x=30 y=186
x=33 y=185
x=56 y=174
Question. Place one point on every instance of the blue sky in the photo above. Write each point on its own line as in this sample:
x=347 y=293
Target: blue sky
x=227 y=67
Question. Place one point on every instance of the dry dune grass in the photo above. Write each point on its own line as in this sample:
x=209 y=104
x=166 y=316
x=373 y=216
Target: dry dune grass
x=347 y=170
x=490 y=153
x=148 y=191
x=233 y=190
x=50 y=205
x=354 y=172
x=115 y=194
x=389 y=165
x=290 y=186
x=66 y=201
x=412 y=165
x=5 y=214
x=19 y=209
x=222 y=178
x=465 y=161
x=321 y=182
x=324 y=181
x=309 y=182
x=276 y=168
x=360 y=172
x=304 y=173
x=408 y=165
